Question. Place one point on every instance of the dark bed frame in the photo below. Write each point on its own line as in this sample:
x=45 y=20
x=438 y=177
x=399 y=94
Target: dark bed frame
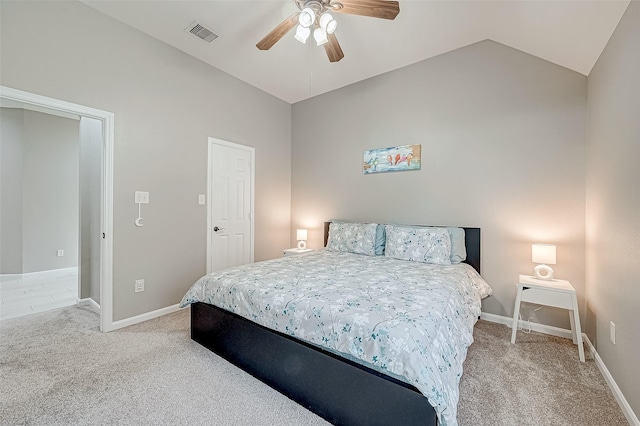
x=338 y=390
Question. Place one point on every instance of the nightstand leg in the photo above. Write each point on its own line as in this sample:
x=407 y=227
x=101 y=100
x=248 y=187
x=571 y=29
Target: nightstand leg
x=576 y=320
x=573 y=327
x=516 y=312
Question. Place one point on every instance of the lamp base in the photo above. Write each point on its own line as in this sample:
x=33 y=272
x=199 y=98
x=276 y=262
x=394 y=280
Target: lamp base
x=302 y=244
x=543 y=272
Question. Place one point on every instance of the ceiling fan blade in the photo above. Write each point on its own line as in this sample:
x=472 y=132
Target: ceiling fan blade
x=278 y=32
x=333 y=49
x=373 y=8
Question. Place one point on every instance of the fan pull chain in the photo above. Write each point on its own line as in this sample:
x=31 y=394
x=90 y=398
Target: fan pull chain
x=310 y=71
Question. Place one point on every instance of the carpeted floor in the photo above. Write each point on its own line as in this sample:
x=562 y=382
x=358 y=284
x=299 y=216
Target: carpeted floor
x=538 y=381
x=56 y=368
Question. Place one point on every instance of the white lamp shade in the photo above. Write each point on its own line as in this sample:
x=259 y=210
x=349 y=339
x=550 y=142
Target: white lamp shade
x=307 y=17
x=331 y=26
x=301 y=235
x=302 y=34
x=327 y=23
x=321 y=36
x=543 y=253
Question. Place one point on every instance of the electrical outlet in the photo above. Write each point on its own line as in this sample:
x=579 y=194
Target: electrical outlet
x=612 y=332
x=60 y=253
x=141 y=197
x=139 y=286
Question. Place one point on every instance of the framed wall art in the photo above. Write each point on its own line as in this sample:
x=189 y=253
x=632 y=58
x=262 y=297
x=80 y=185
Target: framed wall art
x=394 y=159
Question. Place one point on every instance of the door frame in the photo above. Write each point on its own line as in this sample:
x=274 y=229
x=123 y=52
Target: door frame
x=252 y=152
x=106 y=211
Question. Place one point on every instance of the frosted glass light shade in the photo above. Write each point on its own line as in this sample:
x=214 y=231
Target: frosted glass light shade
x=331 y=26
x=302 y=34
x=327 y=23
x=321 y=36
x=307 y=17
x=543 y=253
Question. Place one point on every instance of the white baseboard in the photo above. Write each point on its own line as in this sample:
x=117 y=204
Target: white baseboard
x=622 y=401
x=48 y=271
x=540 y=328
x=89 y=301
x=144 y=317
x=561 y=332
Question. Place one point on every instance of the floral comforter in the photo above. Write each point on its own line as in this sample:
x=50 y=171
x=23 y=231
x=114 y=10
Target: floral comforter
x=410 y=320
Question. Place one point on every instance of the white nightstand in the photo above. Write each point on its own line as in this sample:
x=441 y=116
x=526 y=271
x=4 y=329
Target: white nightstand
x=557 y=293
x=294 y=251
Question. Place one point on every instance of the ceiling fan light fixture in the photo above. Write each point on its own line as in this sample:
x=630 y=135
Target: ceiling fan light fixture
x=312 y=15
x=302 y=34
x=321 y=36
x=307 y=17
x=327 y=23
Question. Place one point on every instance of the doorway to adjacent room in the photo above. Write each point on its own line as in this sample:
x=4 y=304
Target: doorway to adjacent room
x=84 y=248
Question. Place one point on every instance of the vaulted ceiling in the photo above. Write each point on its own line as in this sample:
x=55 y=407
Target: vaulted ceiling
x=569 y=33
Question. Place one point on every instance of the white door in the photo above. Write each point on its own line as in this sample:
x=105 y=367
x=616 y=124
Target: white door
x=230 y=222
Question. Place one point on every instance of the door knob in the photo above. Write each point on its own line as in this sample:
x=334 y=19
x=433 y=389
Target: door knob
x=216 y=229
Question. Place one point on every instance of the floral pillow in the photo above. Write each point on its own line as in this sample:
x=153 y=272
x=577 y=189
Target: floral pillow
x=427 y=245
x=358 y=238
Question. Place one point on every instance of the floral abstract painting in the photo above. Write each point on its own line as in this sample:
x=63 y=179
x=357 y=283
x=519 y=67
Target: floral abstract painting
x=394 y=159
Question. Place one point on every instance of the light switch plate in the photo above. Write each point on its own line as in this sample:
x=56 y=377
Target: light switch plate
x=612 y=332
x=141 y=197
x=201 y=199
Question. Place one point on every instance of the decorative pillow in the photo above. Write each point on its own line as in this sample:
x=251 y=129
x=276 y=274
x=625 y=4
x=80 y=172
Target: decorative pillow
x=456 y=235
x=427 y=245
x=358 y=238
x=381 y=239
x=458 y=248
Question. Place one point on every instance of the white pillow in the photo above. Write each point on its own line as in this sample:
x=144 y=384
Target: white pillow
x=358 y=238
x=458 y=247
x=426 y=245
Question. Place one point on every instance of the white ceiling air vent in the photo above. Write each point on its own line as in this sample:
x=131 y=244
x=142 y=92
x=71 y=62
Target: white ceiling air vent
x=201 y=32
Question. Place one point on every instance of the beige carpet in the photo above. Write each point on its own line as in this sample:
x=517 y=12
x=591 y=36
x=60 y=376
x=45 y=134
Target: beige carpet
x=537 y=381
x=56 y=368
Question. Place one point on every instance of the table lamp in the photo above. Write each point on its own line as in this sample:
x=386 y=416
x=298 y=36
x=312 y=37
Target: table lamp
x=301 y=236
x=543 y=254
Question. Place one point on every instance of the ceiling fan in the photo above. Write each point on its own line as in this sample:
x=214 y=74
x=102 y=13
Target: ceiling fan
x=314 y=15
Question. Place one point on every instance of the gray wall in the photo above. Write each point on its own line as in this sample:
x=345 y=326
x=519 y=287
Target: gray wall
x=40 y=206
x=502 y=136
x=50 y=192
x=166 y=105
x=11 y=129
x=90 y=186
x=613 y=203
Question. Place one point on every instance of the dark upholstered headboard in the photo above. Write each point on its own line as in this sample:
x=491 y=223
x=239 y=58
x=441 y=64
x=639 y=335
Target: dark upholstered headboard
x=471 y=239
